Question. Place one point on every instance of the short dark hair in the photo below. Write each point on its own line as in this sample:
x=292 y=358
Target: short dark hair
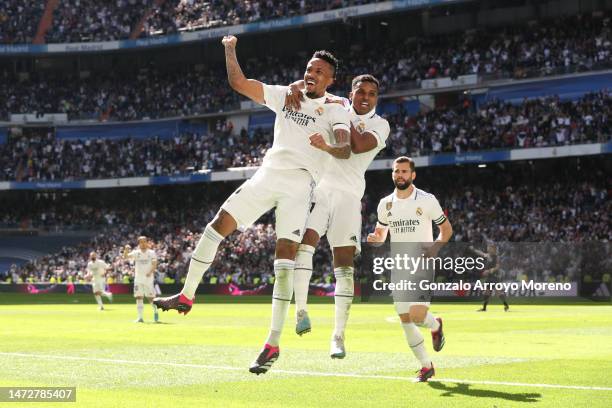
x=329 y=58
x=405 y=159
x=364 y=78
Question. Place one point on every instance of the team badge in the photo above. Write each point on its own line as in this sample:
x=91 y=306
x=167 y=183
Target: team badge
x=389 y=205
x=361 y=127
x=319 y=110
x=419 y=211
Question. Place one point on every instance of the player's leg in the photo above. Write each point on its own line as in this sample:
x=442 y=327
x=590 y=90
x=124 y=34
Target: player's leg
x=316 y=226
x=343 y=296
x=301 y=281
x=138 y=294
x=421 y=316
x=98 y=297
x=293 y=197
x=415 y=341
x=242 y=208
x=504 y=298
x=343 y=234
x=487 y=297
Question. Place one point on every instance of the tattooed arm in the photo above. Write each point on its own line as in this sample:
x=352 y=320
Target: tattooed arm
x=250 y=88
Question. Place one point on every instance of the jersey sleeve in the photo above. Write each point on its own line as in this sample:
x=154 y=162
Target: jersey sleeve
x=380 y=129
x=274 y=97
x=340 y=118
x=435 y=211
x=131 y=255
x=382 y=213
x=153 y=255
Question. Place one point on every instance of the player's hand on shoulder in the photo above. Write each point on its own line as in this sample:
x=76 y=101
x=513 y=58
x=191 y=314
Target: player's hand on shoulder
x=294 y=97
x=229 y=41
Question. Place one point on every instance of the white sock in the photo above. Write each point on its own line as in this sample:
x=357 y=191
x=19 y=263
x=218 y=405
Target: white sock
x=303 y=272
x=281 y=297
x=431 y=322
x=139 y=307
x=201 y=259
x=417 y=343
x=99 y=300
x=343 y=297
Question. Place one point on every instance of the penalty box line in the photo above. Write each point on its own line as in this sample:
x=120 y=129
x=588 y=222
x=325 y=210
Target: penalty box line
x=307 y=373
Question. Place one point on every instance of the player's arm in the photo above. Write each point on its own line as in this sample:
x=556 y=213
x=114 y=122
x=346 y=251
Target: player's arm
x=362 y=142
x=370 y=139
x=446 y=232
x=341 y=149
x=380 y=233
x=250 y=88
x=153 y=267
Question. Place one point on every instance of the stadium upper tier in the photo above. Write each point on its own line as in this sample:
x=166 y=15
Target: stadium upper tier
x=76 y=21
x=40 y=156
x=156 y=90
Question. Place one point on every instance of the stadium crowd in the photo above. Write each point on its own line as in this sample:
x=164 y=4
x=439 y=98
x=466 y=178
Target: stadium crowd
x=90 y=20
x=492 y=206
x=492 y=125
x=19 y=20
x=567 y=45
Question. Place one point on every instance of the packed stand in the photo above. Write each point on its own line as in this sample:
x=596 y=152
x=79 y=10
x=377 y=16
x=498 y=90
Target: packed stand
x=493 y=125
x=576 y=43
x=147 y=94
x=91 y=20
x=44 y=157
x=19 y=20
x=569 y=203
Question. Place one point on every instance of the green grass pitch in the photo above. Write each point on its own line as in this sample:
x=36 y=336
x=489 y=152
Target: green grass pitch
x=534 y=355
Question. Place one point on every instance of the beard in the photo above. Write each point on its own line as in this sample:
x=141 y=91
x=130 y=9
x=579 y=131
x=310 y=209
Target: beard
x=402 y=185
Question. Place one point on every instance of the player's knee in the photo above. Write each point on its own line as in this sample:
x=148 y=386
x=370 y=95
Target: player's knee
x=310 y=238
x=223 y=223
x=343 y=256
x=286 y=249
x=405 y=317
x=418 y=313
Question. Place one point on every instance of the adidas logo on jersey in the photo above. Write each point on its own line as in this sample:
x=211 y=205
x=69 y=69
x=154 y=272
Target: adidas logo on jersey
x=296 y=232
x=353 y=238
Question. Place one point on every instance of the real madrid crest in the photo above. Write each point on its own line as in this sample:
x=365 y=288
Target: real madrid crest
x=419 y=211
x=319 y=110
x=389 y=205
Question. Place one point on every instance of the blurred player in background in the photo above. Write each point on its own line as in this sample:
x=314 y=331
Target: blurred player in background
x=304 y=143
x=145 y=264
x=491 y=274
x=337 y=209
x=408 y=214
x=96 y=272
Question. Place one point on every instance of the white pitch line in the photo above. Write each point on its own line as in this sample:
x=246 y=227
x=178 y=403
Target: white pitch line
x=308 y=373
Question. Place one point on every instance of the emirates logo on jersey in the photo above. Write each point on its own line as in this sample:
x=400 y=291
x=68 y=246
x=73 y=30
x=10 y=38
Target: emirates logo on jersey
x=419 y=211
x=319 y=110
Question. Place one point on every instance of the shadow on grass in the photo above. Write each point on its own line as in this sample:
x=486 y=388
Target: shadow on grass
x=464 y=389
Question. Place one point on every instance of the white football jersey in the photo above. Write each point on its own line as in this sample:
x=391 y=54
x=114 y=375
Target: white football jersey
x=349 y=175
x=97 y=268
x=291 y=148
x=143 y=262
x=409 y=219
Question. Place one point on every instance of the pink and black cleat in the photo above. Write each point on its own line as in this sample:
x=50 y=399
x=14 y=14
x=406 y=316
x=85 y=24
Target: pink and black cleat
x=437 y=337
x=264 y=361
x=425 y=373
x=177 y=302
